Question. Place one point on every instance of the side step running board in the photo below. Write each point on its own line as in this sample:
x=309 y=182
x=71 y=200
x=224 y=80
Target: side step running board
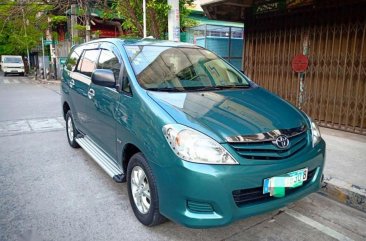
x=105 y=162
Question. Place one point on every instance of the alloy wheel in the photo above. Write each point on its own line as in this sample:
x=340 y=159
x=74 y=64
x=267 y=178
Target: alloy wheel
x=140 y=189
x=70 y=129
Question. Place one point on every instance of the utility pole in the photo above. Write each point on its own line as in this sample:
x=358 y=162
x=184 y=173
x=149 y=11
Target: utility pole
x=174 y=21
x=44 y=64
x=144 y=16
x=87 y=22
x=26 y=37
x=73 y=22
x=53 y=56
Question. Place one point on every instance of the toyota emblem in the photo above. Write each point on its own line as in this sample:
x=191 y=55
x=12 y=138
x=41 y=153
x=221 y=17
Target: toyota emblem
x=282 y=142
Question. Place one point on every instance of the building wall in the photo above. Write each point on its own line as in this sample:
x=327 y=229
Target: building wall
x=334 y=91
x=220 y=45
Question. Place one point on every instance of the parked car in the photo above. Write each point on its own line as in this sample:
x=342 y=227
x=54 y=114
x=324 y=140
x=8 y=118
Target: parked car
x=12 y=64
x=196 y=140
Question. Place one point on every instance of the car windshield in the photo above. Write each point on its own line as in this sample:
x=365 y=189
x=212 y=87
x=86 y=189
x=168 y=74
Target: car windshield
x=13 y=60
x=175 y=69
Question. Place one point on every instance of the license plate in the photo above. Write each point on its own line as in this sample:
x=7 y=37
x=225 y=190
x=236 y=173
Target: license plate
x=275 y=186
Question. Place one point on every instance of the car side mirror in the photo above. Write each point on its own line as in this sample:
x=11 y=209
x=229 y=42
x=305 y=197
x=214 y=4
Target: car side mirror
x=103 y=77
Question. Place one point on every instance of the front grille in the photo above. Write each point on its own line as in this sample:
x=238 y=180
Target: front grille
x=199 y=207
x=253 y=195
x=266 y=150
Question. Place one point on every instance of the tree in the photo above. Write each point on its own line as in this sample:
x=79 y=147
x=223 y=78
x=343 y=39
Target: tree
x=21 y=25
x=24 y=22
x=157 y=16
x=83 y=11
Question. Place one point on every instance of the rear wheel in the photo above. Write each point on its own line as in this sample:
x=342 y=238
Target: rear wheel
x=71 y=130
x=5 y=74
x=142 y=191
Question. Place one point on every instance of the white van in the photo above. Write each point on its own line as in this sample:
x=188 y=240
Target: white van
x=12 y=64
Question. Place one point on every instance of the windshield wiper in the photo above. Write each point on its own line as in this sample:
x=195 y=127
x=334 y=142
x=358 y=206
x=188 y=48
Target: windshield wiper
x=234 y=86
x=166 y=89
x=221 y=87
x=203 y=88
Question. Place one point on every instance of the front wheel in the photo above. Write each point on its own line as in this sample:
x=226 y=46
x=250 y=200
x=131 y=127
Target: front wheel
x=142 y=191
x=71 y=130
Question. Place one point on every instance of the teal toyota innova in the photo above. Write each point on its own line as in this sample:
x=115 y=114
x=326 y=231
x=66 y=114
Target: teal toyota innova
x=196 y=141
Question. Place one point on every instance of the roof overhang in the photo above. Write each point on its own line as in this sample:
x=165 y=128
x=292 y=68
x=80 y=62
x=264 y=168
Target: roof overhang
x=236 y=10
x=227 y=10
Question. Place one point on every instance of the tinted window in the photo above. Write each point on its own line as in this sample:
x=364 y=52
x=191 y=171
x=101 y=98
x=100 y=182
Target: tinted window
x=108 y=60
x=73 y=59
x=182 y=68
x=88 y=62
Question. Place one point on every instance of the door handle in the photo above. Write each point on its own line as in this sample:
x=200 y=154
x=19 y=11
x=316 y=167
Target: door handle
x=91 y=93
x=71 y=83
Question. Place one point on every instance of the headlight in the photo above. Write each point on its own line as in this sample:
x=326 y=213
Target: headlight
x=315 y=133
x=193 y=146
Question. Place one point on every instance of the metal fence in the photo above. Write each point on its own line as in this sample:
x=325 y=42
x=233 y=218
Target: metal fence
x=227 y=42
x=335 y=82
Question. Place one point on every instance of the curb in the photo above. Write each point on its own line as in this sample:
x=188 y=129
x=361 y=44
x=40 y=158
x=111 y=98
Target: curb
x=49 y=81
x=45 y=81
x=346 y=193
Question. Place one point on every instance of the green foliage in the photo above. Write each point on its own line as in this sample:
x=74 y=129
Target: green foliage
x=23 y=23
x=157 y=16
x=54 y=35
x=79 y=27
x=77 y=39
x=55 y=20
x=21 y=26
x=185 y=21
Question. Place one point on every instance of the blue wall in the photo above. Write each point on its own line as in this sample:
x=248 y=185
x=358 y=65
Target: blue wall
x=220 y=45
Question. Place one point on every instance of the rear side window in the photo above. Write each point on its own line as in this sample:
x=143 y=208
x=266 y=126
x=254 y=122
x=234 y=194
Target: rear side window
x=108 y=60
x=88 y=62
x=73 y=59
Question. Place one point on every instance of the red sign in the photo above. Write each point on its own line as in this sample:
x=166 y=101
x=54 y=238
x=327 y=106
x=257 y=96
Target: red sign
x=300 y=63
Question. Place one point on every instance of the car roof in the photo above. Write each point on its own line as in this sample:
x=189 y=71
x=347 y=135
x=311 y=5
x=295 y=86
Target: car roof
x=145 y=41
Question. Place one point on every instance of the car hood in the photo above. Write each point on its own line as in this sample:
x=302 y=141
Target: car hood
x=230 y=112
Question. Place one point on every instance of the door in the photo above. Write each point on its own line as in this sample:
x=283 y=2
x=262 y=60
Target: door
x=69 y=81
x=104 y=100
x=79 y=86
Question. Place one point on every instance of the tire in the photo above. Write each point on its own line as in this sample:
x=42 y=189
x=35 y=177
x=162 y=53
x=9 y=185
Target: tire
x=5 y=74
x=148 y=216
x=71 y=131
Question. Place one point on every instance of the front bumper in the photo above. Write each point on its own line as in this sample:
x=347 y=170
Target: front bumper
x=13 y=70
x=201 y=196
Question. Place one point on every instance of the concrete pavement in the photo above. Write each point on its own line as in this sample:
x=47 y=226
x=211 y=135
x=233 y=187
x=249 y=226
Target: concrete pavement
x=26 y=99
x=50 y=191
x=345 y=168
